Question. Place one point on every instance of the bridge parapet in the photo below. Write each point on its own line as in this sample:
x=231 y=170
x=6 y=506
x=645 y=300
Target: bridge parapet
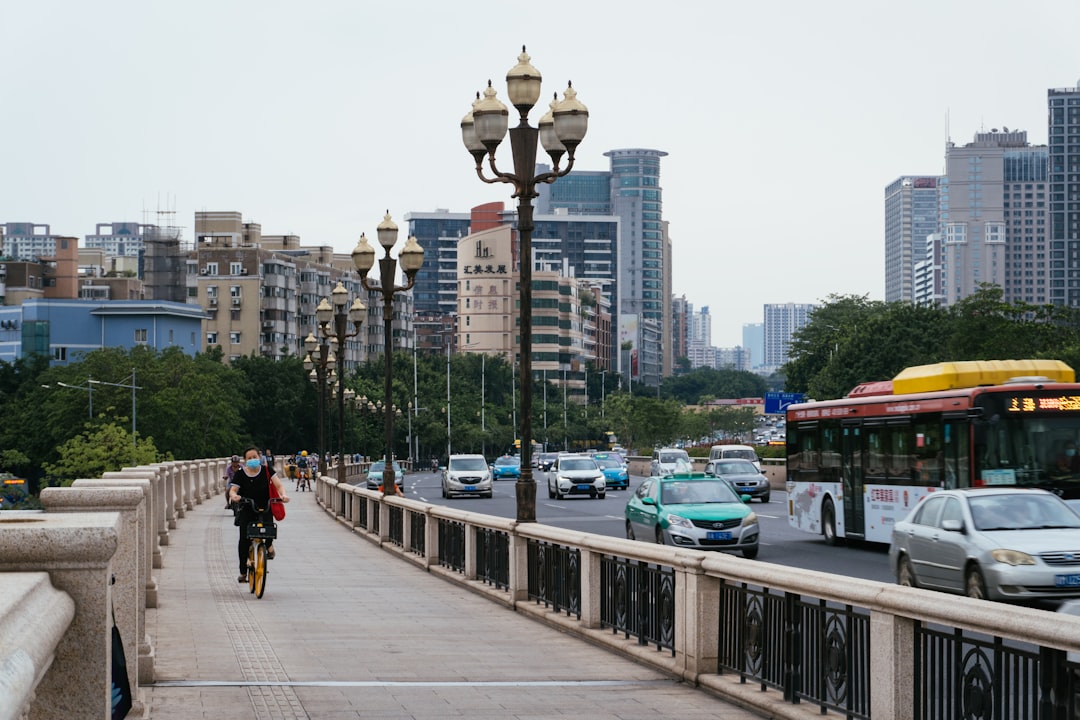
x=740 y=627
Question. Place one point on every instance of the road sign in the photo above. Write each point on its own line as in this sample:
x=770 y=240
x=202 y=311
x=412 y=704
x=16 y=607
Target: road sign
x=776 y=402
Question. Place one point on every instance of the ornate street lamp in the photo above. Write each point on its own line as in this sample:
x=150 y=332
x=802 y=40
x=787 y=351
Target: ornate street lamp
x=411 y=257
x=319 y=363
x=333 y=326
x=560 y=131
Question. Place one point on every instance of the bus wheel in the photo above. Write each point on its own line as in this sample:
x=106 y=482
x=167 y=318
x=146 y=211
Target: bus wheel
x=828 y=523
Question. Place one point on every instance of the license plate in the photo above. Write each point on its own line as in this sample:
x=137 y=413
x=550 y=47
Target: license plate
x=718 y=535
x=470 y=488
x=584 y=487
x=1067 y=580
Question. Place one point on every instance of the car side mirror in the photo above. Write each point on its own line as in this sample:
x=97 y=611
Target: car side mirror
x=952 y=525
x=745 y=499
x=648 y=501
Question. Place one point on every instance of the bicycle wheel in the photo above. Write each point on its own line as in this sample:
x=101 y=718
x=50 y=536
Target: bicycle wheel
x=252 y=564
x=259 y=581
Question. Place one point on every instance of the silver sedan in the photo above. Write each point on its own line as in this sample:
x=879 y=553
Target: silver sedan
x=1004 y=543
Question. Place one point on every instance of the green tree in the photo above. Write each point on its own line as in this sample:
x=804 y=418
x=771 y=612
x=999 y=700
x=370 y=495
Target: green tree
x=95 y=451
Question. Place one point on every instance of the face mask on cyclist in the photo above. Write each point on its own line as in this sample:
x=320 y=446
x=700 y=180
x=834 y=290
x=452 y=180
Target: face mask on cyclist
x=253 y=463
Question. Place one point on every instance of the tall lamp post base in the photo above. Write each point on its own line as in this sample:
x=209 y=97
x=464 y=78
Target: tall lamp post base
x=526 y=499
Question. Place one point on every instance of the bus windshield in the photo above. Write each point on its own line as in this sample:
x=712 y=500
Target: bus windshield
x=1026 y=447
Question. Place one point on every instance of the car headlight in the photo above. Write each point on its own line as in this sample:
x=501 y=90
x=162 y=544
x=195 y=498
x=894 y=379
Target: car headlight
x=1012 y=557
x=678 y=521
x=749 y=520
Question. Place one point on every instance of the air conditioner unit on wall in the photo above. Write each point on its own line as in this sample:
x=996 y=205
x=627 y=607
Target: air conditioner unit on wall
x=202 y=271
x=213 y=300
x=243 y=271
x=236 y=301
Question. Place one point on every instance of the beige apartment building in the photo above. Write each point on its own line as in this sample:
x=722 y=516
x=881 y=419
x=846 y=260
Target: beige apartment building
x=571 y=318
x=261 y=292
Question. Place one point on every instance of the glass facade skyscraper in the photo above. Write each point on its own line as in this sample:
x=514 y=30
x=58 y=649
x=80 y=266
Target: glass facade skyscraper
x=1064 y=135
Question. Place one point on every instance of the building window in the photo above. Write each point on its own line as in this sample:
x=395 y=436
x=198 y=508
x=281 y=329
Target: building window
x=60 y=354
x=211 y=338
x=140 y=336
x=236 y=268
x=211 y=268
x=234 y=338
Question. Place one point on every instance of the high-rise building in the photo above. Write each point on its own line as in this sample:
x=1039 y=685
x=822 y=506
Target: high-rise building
x=438 y=232
x=643 y=269
x=1064 y=180
x=911 y=213
x=971 y=213
x=781 y=322
x=753 y=340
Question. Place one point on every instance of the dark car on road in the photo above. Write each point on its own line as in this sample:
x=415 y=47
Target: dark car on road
x=743 y=476
x=544 y=461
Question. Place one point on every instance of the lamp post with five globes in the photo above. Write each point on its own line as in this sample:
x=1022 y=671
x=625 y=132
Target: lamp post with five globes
x=560 y=131
x=411 y=257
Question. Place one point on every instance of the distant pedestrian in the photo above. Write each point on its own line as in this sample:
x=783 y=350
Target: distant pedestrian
x=230 y=470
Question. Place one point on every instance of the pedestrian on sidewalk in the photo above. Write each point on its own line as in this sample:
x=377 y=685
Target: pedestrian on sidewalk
x=253 y=481
x=230 y=470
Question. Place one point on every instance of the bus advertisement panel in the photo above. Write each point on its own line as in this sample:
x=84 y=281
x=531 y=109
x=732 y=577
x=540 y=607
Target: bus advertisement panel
x=858 y=464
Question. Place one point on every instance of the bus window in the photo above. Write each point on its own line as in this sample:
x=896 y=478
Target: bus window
x=875 y=452
x=830 y=451
x=899 y=458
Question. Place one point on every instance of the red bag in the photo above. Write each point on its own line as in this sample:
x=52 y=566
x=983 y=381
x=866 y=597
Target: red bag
x=277 y=508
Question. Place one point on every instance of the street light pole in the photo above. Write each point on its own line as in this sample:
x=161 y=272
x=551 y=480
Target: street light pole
x=560 y=131
x=412 y=257
x=339 y=333
x=90 y=383
x=319 y=363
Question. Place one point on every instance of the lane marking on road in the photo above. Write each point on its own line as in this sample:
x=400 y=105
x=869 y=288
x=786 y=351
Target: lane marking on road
x=405 y=683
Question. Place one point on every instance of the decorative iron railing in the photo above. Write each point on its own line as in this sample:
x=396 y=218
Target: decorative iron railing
x=638 y=600
x=555 y=577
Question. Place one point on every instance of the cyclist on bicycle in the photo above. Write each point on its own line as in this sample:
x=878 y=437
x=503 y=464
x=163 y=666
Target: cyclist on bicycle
x=303 y=471
x=253 y=481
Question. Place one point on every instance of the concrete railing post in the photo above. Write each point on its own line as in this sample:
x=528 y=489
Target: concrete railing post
x=147 y=582
x=589 y=569
x=892 y=646
x=76 y=549
x=36 y=616
x=128 y=590
x=432 y=551
x=697 y=606
x=519 y=568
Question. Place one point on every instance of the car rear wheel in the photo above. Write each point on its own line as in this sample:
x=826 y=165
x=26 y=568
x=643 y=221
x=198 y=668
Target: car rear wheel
x=630 y=531
x=551 y=493
x=905 y=575
x=974 y=584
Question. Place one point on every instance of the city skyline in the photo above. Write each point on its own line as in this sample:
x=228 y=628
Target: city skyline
x=781 y=128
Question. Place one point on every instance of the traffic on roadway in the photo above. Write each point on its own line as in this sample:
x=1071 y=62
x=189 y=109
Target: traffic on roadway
x=778 y=542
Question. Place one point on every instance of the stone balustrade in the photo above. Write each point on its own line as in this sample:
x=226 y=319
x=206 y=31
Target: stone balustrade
x=69 y=571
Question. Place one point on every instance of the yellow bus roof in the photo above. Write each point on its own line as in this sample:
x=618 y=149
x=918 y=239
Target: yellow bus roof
x=973 y=373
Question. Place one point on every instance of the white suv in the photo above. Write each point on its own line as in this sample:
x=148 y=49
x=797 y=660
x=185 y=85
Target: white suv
x=576 y=475
x=466 y=475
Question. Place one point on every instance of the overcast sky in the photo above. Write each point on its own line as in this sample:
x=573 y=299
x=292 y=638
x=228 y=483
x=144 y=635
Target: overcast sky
x=783 y=120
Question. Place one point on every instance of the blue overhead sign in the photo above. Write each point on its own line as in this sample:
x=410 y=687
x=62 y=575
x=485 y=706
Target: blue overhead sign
x=776 y=402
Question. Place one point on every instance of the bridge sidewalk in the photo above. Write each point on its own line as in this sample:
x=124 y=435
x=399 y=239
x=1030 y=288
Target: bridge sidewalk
x=345 y=630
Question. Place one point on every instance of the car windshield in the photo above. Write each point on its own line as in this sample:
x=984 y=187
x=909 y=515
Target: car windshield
x=734 y=467
x=577 y=464
x=608 y=463
x=468 y=464
x=743 y=453
x=697 y=491
x=378 y=465
x=1021 y=511
x=506 y=461
x=670 y=458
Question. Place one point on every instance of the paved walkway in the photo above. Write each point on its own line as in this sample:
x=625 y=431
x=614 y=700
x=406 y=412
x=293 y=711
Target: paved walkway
x=345 y=630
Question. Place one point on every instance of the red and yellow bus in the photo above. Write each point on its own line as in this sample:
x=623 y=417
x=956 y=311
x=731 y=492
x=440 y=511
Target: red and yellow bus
x=858 y=464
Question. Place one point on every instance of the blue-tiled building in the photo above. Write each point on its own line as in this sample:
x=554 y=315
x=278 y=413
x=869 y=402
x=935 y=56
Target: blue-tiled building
x=65 y=330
